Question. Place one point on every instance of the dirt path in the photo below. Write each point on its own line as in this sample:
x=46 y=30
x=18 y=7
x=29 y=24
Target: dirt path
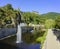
x=51 y=41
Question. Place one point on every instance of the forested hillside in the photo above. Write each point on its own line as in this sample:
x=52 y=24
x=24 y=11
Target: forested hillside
x=51 y=15
x=8 y=16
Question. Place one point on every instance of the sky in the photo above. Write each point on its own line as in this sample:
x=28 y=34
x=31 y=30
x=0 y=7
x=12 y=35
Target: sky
x=41 y=6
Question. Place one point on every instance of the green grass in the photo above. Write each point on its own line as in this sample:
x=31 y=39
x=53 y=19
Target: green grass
x=42 y=39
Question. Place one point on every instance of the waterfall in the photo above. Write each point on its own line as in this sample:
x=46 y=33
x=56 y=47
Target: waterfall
x=19 y=34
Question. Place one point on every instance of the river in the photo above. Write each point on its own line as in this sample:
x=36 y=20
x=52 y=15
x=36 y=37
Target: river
x=10 y=43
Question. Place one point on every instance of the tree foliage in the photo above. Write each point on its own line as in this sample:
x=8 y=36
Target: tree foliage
x=32 y=17
x=57 y=22
x=49 y=23
x=7 y=13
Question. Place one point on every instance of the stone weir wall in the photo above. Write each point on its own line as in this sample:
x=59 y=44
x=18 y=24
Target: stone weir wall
x=4 y=32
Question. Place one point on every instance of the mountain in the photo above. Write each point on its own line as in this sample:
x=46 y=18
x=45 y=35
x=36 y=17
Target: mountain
x=50 y=15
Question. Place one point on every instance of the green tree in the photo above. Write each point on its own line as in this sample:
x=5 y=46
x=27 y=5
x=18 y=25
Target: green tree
x=49 y=23
x=57 y=21
x=7 y=7
x=7 y=13
x=31 y=17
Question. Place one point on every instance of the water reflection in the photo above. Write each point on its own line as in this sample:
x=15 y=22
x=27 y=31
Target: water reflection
x=9 y=43
x=23 y=46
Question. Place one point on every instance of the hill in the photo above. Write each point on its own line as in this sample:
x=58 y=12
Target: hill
x=50 y=15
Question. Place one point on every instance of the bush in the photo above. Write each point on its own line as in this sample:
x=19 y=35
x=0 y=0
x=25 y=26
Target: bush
x=50 y=23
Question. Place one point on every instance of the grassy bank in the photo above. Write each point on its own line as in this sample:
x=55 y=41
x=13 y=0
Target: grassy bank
x=42 y=39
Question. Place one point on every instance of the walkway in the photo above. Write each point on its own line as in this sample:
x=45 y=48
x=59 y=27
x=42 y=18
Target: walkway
x=51 y=41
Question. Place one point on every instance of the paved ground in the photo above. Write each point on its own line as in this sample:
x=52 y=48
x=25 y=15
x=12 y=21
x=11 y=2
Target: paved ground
x=51 y=41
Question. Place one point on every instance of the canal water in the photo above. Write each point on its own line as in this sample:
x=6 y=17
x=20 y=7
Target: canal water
x=10 y=43
x=30 y=46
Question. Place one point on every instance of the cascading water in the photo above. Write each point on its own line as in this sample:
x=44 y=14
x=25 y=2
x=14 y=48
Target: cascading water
x=19 y=34
x=19 y=31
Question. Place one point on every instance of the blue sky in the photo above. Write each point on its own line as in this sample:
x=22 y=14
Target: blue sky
x=42 y=6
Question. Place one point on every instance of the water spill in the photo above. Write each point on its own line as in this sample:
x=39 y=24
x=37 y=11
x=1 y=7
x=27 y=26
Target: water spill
x=19 y=34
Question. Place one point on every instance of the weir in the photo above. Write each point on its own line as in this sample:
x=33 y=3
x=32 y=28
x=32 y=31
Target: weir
x=19 y=40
